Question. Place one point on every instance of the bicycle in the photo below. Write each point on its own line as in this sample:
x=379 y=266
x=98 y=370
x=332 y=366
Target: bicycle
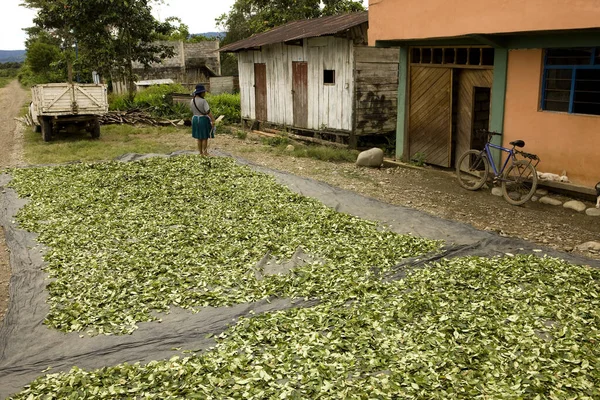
x=518 y=177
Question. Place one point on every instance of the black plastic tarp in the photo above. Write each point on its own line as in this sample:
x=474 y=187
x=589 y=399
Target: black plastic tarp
x=28 y=347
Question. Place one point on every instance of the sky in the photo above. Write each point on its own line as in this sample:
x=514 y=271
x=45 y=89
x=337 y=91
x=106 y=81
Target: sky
x=199 y=15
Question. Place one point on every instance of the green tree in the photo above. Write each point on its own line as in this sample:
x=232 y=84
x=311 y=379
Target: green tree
x=110 y=34
x=44 y=60
x=248 y=17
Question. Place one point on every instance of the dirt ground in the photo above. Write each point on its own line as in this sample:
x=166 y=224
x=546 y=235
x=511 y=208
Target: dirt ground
x=12 y=98
x=435 y=192
x=431 y=190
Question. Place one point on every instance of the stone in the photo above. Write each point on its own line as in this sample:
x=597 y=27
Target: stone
x=593 y=212
x=515 y=195
x=595 y=246
x=575 y=205
x=541 y=192
x=496 y=191
x=370 y=158
x=551 y=201
x=289 y=148
x=534 y=198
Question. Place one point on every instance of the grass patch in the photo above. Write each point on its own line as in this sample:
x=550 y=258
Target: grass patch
x=114 y=141
x=4 y=81
x=322 y=153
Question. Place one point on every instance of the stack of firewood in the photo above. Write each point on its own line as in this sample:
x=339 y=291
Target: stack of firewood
x=136 y=116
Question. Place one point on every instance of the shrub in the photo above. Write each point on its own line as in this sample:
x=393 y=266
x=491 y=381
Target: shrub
x=226 y=104
x=153 y=100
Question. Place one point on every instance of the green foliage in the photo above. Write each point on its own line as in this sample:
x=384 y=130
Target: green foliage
x=119 y=102
x=278 y=141
x=44 y=60
x=419 y=159
x=8 y=72
x=326 y=153
x=248 y=17
x=229 y=64
x=154 y=100
x=240 y=134
x=226 y=104
x=468 y=328
x=128 y=238
x=107 y=42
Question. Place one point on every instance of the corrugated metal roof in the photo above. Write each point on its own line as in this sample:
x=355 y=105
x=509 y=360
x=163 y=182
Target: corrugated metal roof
x=301 y=29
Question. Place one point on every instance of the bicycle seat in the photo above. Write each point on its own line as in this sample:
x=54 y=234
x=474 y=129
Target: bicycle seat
x=518 y=143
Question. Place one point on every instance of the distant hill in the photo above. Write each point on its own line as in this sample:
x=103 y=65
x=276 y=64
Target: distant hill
x=12 y=56
x=219 y=35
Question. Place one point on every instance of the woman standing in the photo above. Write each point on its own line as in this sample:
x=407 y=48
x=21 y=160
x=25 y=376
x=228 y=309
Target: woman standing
x=202 y=121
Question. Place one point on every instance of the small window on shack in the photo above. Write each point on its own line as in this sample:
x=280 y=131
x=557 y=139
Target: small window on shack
x=329 y=77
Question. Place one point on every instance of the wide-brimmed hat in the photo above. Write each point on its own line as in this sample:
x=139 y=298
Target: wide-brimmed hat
x=199 y=89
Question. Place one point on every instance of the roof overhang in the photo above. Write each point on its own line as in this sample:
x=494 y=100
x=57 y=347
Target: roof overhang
x=294 y=32
x=513 y=40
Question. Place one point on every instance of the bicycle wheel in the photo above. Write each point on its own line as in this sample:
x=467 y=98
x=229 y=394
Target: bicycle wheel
x=472 y=169
x=519 y=182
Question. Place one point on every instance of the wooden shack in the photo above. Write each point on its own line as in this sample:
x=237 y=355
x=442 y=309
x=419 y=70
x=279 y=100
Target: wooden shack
x=190 y=64
x=319 y=76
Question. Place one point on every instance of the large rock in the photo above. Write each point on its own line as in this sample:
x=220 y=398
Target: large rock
x=551 y=201
x=575 y=205
x=370 y=158
x=593 y=212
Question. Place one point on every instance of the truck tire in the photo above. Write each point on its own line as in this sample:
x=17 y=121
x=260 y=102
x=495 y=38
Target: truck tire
x=96 y=128
x=46 y=129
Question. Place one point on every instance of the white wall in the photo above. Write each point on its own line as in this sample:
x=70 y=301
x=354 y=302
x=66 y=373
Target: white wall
x=329 y=106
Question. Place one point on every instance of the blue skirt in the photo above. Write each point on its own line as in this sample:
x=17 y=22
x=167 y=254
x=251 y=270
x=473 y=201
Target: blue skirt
x=201 y=127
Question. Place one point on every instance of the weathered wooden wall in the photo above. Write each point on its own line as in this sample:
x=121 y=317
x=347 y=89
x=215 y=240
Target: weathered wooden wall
x=329 y=106
x=376 y=90
x=224 y=84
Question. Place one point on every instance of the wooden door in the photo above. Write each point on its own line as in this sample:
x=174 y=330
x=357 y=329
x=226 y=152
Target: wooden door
x=260 y=91
x=300 y=93
x=470 y=108
x=430 y=115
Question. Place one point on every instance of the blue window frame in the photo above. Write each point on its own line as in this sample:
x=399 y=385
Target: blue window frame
x=571 y=80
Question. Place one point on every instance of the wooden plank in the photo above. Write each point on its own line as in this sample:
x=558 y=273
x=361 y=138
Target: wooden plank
x=375 y=127
x=260 y=91
x=389 y=94
x=300 y=93
x=375 y=54
x=430 y=112
x=376 y=80
x=383 y=87
x=365 y=67
x=302 y=138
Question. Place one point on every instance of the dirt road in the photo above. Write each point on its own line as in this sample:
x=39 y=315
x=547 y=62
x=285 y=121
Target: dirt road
x=12 y=99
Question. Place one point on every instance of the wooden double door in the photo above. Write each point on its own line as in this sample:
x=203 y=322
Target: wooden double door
x=446 y=105
x=299 y=93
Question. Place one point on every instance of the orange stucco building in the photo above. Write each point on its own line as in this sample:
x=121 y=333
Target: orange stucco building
x=527 y=68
